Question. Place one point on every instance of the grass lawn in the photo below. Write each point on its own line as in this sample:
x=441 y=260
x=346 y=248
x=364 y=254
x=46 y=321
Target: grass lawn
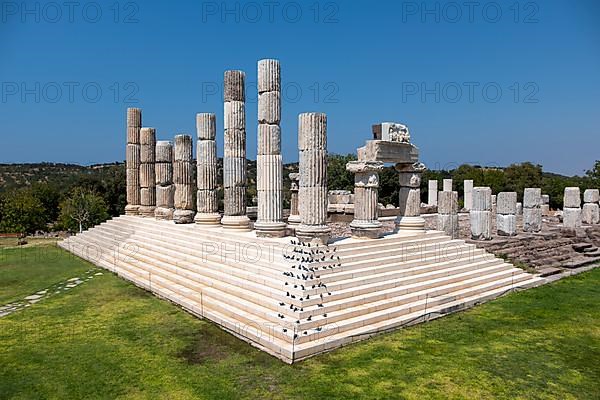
x=25 y=270
x=109 y=339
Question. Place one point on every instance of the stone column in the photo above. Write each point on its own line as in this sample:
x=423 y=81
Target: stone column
x=545 y=207
x=494 y=204
x=481 y=214
x=506 y=217
x=448 y=213
x=165 y=190
x=591 y=209
x=312 y=198
x=207 y=205
x=409 y=217
x=294 y=218
x=447 y=185
x=234 y=157
x=519 y=208
x=432 y=193
x=468 y=194
x=184 y=180
x=572 y=208
x=147 y=173
x=132 y=161
x=532 y=213
x=269 y=163
x=366 y=184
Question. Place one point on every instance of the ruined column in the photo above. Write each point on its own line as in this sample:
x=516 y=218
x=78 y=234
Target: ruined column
x=147 y=173
x=234 y=157
x=432 y=193
x=572 y=208
x=269 y=163
x=312 y=198
x=519 y=208
x=184 y=180
x=132 y=160
x=532 y=213
x=591 y=210
x=165 y=190
x=481 y=214
x=447 y=185
x=207 y=205
x=494 y=208
x=294 y=218
x=506 y=217
x=468 y=194
x=409 y=217
x=545 y=207
x=366 y=184
x=448 y=213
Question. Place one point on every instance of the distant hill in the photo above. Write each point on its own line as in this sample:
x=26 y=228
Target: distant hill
x=14 y=176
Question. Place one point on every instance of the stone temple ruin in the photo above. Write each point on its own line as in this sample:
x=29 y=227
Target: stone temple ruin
x=288 y=286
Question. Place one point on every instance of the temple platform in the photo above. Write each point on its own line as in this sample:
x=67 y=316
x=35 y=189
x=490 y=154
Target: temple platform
x=291 y=300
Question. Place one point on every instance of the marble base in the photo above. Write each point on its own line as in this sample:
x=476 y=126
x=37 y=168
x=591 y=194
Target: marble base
x=366 y=229
x=132 y=210
x=270 y=229
x=163 y=213
x=208 y=219
x=147 y=211
x=313 y=233
x=240 y=222
x=183 y=216
x=410 y=223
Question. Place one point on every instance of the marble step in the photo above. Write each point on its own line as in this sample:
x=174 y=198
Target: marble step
x=367 y=287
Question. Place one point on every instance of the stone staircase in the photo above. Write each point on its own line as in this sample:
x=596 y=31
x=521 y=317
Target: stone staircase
x=294 y=300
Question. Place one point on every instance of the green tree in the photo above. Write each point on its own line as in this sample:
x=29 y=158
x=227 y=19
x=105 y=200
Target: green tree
x=82 y=209
x=521 y=176
x=22 y=212
x=594 y=173
x=50 y=197
x=337 y=176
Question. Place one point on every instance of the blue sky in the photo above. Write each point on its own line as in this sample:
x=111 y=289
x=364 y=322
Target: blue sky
x=483 y=82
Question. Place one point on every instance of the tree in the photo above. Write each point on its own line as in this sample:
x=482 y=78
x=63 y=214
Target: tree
x=521 y=176
x=22 y=212
x=337 y=176
x=49 y=196
x=82 y=209
x=594 y=173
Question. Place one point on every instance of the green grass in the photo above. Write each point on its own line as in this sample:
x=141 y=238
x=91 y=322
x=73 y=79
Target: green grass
x=108 y=339
x=25 y=270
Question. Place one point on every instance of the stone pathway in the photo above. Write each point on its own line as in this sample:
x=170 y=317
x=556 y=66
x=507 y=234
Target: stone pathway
x=56 y=289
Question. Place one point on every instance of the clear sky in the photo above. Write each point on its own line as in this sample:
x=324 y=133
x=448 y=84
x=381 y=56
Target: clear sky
x=482 y=82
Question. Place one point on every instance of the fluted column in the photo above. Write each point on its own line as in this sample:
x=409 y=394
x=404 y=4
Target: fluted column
x=147 y=172
x=312 y=143
x=366 y=184
x=294 y=218
x=165 y=190
x=184 y=180
x=207 y=205
x=269 y=163
x=234 y=157
x=132 y=161
x=409 y=217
